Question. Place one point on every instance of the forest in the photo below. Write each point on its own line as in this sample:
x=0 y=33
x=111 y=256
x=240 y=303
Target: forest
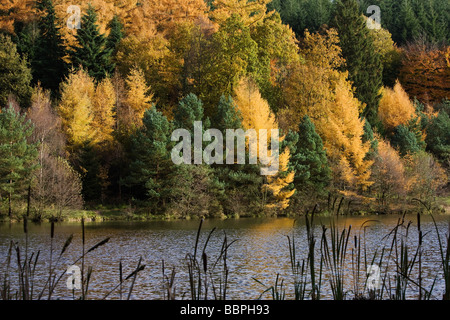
x=90 y=93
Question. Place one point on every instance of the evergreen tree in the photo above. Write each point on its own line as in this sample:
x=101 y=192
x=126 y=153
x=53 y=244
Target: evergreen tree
x=91 y=52
x=438 y=136
x=15 y=76
x=48 y=65
x=309 y=160
x=362 y=61
x=405 y=140
x=116 y=33
x=89 y=168
x=18 y=157
x=150 y=160
x=227 y=115
x=188 y=110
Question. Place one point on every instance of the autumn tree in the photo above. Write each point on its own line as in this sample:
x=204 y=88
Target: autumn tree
x=425 y=72
x=277 y=192
x=75 y=108
x=389 y=175
x=138 y=98
x=426 y=177
x=103 y=106
x=395 y=107
x=308 y=87
x=342 y=131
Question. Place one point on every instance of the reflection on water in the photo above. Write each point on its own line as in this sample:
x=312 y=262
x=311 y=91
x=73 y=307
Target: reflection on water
x=261 y=251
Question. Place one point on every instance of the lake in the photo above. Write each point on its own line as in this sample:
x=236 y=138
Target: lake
x=259 y=254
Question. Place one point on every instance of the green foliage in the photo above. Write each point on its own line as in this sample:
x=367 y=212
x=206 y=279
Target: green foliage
x=309 y=159
x=232 y=53
x=408 y=20
x=91 y=52
x=304 y=14
x=89 y=168
x=438 y=136
x=116 y=33
x=227 y=115
x=362 y=61
x=18 y=157
x=15 y=75
x=406 y=140
x=48 y=65
x=150 y=162
x=188 y=110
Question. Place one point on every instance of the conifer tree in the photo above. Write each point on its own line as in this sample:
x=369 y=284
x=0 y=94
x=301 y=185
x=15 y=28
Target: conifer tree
x=312 y=171
x=48 y=65
x=116 y=33
x=15 y=76
x=18 y=157
x=150 y=159
x=90 y=51
x=362 y=61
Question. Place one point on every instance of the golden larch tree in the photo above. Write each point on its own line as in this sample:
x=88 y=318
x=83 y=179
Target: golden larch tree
x=395 y=107
x=75 y=108
x=256 y=114
x=138 y=99
x=103 y=111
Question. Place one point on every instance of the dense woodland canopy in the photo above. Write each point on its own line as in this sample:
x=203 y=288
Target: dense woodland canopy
x=87 y=114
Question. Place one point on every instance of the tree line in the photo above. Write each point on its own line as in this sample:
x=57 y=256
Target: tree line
x=87 y=114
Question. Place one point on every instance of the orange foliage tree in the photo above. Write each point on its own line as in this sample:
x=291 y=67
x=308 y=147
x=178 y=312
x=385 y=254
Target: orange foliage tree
x=395 y=107
x=425 y=72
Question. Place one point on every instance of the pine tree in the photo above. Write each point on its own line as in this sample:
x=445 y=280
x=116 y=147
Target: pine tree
x=15 y=76
x=438 y=137
x=90 y=52
x=362 y=61
x=150 y=159
x=116 y=33
x=189 y=109
x=18 y=157
x=309 y=160
x=49 y=67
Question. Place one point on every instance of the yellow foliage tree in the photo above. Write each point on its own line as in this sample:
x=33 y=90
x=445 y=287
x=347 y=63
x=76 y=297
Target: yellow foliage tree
x=388 y=174
x=75 y=108
x=256 y=114
x=103 y=111
x=395 y=107
x=309 y=85
x=276 y=184
x=255 y=111
x=15 y=11
x=342 y=131
x=250 y=11
x=138 y=98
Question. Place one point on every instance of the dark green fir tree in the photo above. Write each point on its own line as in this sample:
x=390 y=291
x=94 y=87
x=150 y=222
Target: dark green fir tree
x=91 y=52
x=48 y=64
x=18 y=157
x=15 y=75
x=362 y=61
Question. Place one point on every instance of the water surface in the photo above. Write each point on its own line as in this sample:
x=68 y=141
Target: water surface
x=260 y=252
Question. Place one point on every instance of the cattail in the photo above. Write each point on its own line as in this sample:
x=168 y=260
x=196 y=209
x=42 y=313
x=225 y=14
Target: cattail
x=52 y=230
